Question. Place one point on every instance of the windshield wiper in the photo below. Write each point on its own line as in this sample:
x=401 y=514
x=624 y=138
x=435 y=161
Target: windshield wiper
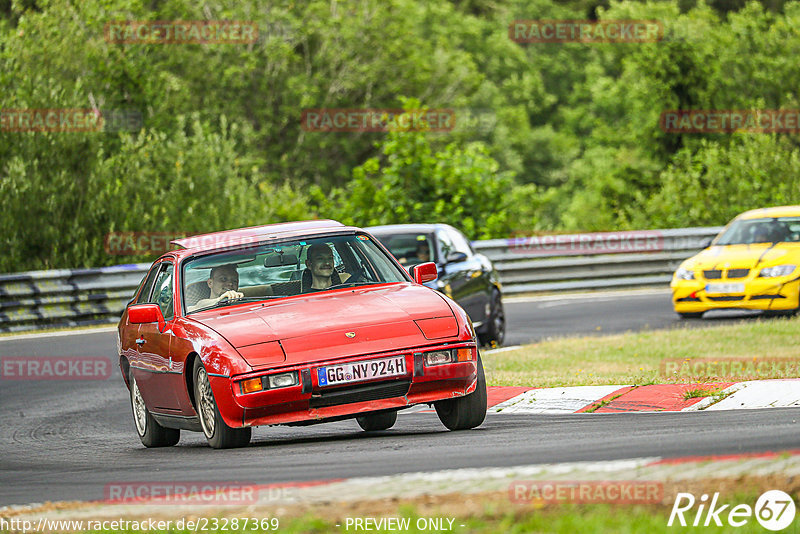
x=354 y=284
x=226 y=302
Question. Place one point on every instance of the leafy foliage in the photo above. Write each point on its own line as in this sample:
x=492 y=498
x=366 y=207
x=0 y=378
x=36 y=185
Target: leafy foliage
x=547 y=137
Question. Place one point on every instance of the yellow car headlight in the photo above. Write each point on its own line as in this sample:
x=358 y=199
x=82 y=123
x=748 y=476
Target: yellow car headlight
x=778 y=270
x=684 y=274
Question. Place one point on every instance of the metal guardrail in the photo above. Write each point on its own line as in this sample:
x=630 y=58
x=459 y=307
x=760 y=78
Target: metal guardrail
x=592 y=261
x=66 y=297
x=76 y=297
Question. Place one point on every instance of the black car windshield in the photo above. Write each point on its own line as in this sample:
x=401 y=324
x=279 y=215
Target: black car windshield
x=766 y=230
x=274 y=271
x=409 y=249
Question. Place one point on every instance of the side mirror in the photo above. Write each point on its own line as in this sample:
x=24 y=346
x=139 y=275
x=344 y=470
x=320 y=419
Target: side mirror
x=705 y=243
x=456 y=257
x=425 y=272
x=146 y=313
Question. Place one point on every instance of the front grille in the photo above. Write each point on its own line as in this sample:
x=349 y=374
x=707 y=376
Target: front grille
x=725 y=298
x=351 y=394
x=766 y=297
x=738 y=273
x=688 y=299
x=713 y=274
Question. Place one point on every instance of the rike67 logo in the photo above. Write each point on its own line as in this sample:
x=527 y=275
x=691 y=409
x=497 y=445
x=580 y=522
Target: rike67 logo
x=774 y=510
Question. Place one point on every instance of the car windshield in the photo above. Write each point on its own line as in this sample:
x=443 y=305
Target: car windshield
x=409 y=249
x=766 y=230
x=275 y=271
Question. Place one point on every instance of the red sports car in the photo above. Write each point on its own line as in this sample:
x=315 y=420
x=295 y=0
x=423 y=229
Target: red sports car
x=294 y=323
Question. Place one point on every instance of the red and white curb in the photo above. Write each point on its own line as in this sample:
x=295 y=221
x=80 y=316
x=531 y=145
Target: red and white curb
x=653 y=398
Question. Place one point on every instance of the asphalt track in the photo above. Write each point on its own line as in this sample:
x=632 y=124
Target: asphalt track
x=66 y=440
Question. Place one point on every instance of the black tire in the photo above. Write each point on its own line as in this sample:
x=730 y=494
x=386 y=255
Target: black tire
x=218 y=434
x=496 y=329
x=377 y=421
x=692 y=315
x=466 y=412
x=150 y=432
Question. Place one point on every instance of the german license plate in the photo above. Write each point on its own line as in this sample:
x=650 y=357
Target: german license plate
x=359 y=371
x=724 y=288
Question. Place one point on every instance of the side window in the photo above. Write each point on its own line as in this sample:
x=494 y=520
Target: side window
x=445 y=244
x=147 y=284
x=460 y=243
x=162 y=294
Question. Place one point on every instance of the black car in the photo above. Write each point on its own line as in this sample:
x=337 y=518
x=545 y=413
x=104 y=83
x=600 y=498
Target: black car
x=464 y=275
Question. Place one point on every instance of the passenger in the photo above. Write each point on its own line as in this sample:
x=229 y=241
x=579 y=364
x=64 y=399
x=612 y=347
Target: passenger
x=223 y=283
x=320 y=273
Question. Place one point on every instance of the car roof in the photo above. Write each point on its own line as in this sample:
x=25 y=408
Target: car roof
x=777 y=211
x=420 y=228
x=254 y=234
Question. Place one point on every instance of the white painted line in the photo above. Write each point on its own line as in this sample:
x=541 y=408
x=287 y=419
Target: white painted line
x=60 y=333
x=757 y=394
x=555 y=400
x=588 y=295
x=502 y=349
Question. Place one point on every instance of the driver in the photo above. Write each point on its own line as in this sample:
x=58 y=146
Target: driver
x=223 y=283
x=319 y=260
x=422 y=252
x=762 y=234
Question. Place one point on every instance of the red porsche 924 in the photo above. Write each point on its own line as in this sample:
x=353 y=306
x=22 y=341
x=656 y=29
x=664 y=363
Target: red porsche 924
x=294 y=323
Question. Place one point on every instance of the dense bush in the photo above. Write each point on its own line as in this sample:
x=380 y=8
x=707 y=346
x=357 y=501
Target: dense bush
x=566 y=136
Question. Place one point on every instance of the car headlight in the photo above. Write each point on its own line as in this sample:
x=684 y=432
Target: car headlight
x=439 y=357
x=283 y=380
x=684 y=274
x=261 y=383
x=778 y=270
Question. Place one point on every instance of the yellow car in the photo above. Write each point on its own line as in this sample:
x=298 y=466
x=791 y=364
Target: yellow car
x=752 y=264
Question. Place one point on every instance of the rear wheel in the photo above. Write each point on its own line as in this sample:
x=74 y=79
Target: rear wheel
x=150 y=432
x=692 y=315
x=465 y=412
x=218 y=434
x=496 y=329
x=377 y=421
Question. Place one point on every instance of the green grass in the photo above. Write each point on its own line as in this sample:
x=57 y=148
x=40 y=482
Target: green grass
x=636 y=358
x=699 y=393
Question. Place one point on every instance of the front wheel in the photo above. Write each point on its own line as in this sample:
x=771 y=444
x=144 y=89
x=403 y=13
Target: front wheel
x=468 y=411
x=218 y=434
x=377 y=421
x=496 y=329
x=150 y=432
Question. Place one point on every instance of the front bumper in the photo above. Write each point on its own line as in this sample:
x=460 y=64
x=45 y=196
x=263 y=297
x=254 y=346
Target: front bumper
x=767 y=294
x=308 y=401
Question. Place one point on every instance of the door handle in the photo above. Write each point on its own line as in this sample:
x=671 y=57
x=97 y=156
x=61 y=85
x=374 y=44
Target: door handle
x=140 y=341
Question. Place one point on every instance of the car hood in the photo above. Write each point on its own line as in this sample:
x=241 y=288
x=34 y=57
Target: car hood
x=742 y=256
x=333 y=324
